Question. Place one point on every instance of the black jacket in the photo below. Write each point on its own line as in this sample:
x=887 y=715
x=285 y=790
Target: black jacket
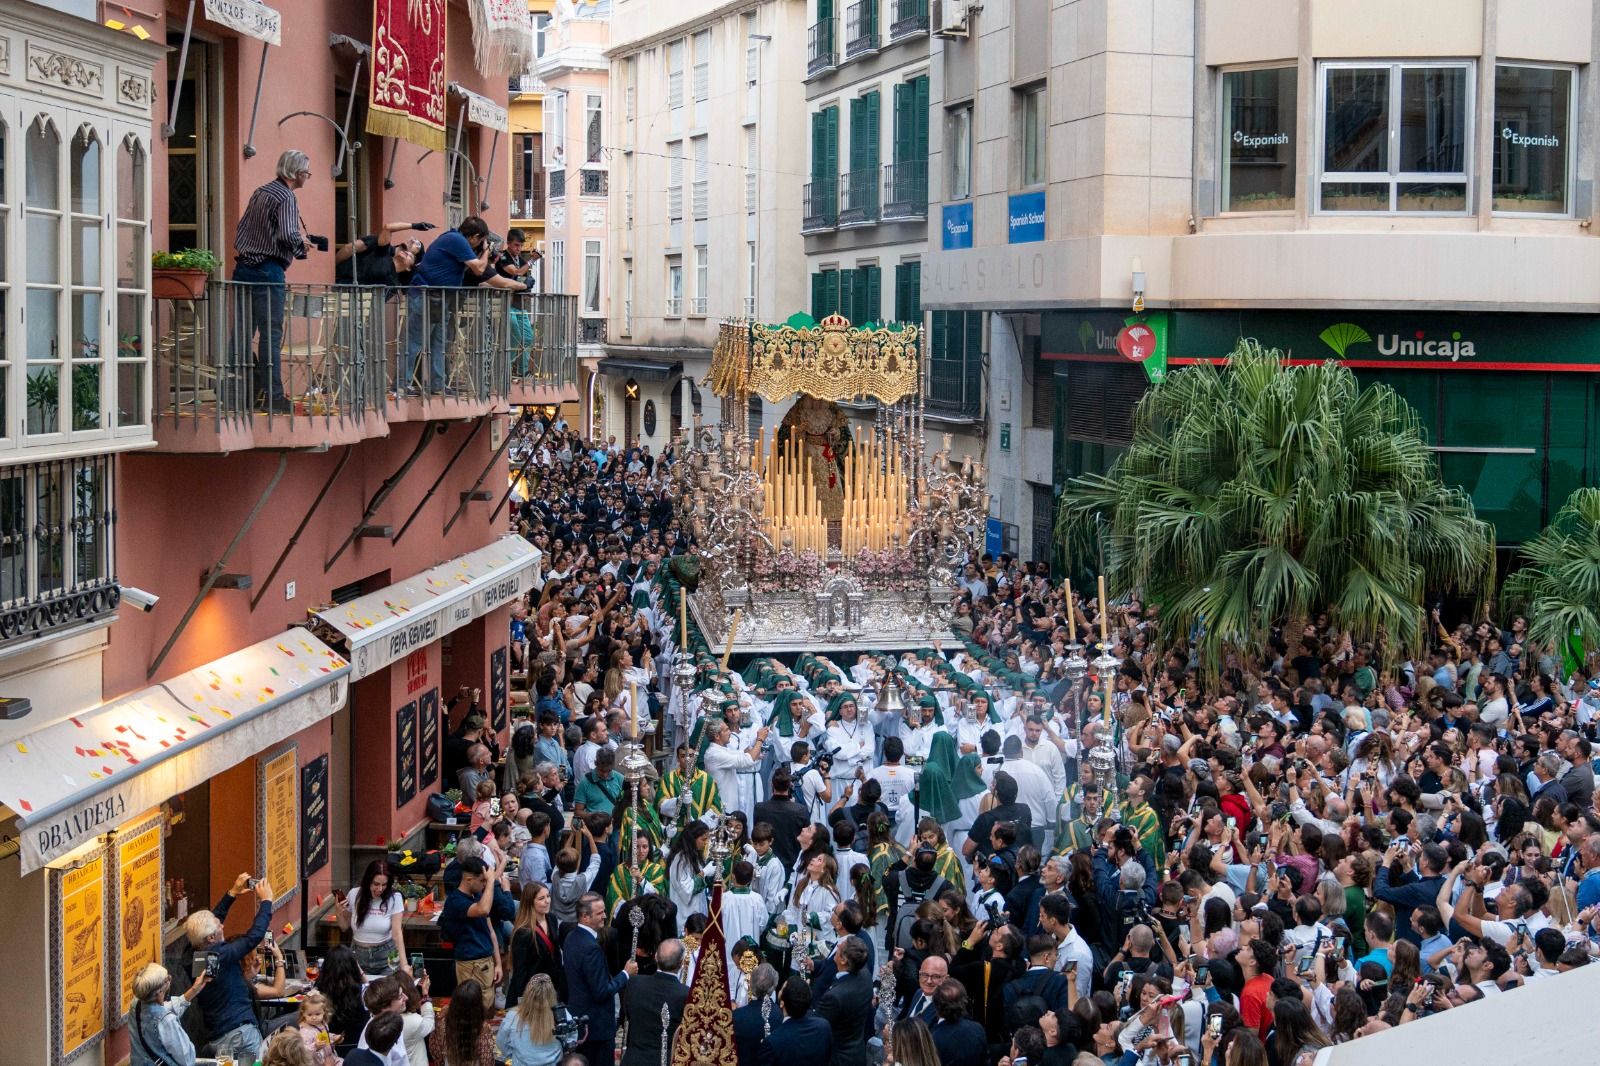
x=961 y=1043
x=847 y=1008
x=642 y=1000
x=787 y=818
x=748 y=1028
x=806 y=1041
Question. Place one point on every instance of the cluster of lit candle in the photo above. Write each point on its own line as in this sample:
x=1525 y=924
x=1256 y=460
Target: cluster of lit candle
x=874 y=488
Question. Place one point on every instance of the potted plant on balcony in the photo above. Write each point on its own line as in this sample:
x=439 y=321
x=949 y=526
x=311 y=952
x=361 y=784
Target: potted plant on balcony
x=181 y=275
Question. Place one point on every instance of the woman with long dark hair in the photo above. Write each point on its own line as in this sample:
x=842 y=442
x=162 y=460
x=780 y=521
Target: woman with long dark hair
x=465 y=1038
x=533 y=943
x=375 y=910
x=341 y=983
x=686 y=861
x=1294 y=1031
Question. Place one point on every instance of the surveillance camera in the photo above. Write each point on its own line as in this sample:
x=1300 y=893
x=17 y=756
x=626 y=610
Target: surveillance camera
x=139 y=598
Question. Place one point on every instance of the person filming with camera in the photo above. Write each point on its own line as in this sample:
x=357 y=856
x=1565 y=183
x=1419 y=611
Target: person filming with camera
x=226 y=1001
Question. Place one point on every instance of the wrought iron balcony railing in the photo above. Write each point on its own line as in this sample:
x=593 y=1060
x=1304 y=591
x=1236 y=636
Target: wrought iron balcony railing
x=858 y=206
x=821 y=208
x=824 y=52
x=905 y=190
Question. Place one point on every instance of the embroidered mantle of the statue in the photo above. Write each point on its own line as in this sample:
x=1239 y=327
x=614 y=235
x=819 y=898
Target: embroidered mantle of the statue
x=705 y=1037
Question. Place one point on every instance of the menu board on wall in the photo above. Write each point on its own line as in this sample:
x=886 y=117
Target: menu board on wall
x=405 y=754
x=428 y=732
x=499 y=707
x=139 y=900
x=278 y=846
x=314 y=816
x=78 y=946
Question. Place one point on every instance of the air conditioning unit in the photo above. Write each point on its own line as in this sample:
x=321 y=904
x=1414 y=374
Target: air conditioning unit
x=950 y=18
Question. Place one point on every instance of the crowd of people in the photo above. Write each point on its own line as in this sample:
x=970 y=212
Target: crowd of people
x=1311 y=844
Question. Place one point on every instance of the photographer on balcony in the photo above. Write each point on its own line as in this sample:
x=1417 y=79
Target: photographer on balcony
x=267 y=240
x=227 y=1002
x=444 y=265
x=373 y=260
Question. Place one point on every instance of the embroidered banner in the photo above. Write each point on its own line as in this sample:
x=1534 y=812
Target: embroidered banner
x=406 y=99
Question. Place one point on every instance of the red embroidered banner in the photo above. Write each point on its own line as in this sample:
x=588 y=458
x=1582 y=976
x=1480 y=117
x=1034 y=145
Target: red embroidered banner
x=406 y=98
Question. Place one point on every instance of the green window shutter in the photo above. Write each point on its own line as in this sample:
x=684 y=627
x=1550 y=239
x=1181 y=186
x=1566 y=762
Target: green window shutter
x=844 y=301
x=900 y=286
x=817 y=295
x=972 y=353
x=905 y=121
x=919 y=106
x=858 y=134
x=824 y=10
x=874 y=132
x=831 y=160
x=938 y=335
x=915 y=270
x=830 y=293
x=873 y=297
x=819 y=146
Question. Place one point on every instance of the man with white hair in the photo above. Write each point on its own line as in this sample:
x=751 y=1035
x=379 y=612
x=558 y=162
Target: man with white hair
x=226 y=1002
x=267 y=240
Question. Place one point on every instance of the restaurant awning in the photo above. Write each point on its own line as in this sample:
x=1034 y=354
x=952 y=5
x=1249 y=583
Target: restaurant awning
x=85 y=775
x=639 y=368
x=392 y=622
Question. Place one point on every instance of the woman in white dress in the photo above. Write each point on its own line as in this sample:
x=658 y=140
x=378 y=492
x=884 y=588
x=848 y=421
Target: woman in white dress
x=686 y=870
x=811 y=906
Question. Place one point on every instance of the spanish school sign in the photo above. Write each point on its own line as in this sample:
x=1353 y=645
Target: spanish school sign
x=1405 y=340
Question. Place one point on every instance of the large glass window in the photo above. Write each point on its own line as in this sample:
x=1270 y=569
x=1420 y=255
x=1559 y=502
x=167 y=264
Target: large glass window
x=591 y=277
x=1395 y=137
x=42 y=312
x=1532 y=139
x=958 y=149
x=1258 y=146
x=1032 y=115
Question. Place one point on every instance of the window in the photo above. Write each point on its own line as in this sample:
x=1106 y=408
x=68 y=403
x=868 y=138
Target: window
x=541 y=24
x=906 y=181
x=56 y=539
x=593 y=124
x=908 y=292
x=1395 y=137
x=702 y=177
x=674 y=287
x=752 y=60
x=751 y=279
x=1032 y=115
x=675 y=182
x=861 y=187
x=42 y=226
x=855 y=294
x=558 y=266
x=1532 y=139
x=627 y=300
x=527 y=183
x=1044 y=521
x=675 y=84
x=591 y=277
x=555 y=130
x=958 y=148
x=822 y=194
x=1258 y=139
x=752 y=168
x=133 y=284
x=702 y=77
x=702 y=279
x=955 y=362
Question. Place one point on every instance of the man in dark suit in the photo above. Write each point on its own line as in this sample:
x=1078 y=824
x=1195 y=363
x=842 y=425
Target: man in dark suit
x=803 y=1039
x=753 y=1021
x=959 y=1040
x=785 y=815
x=642 y=1001
x=847 y=1005
x=591 y=988
x=847 y=924
x=930 y=975
x=1041 y=978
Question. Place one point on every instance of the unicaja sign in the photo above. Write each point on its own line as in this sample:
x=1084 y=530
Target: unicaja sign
x=1264 y=140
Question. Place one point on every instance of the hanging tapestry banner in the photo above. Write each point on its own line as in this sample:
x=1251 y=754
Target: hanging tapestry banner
x=408 y=76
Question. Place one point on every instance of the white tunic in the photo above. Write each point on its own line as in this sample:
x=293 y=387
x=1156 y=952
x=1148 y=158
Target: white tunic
x=725 y=764
x=772 y=882
x=681 y=888
x=854 y=740
x=743 y=914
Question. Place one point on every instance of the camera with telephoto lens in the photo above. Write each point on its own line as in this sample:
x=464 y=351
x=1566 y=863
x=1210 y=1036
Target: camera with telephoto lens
x=568 y=1029
x=824 y=758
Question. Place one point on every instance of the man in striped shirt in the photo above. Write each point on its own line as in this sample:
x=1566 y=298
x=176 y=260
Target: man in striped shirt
x=267 y=239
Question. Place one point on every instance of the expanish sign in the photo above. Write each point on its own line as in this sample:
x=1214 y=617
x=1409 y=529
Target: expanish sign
x=1259 y=140
x=1523 y=140
x=957 y=226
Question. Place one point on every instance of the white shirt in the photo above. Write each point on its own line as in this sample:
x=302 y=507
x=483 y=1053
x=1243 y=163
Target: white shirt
x=1034 y=789
x=855 y=741
x=1047 y=757
x=811 y=785
x=583 y=759
x=378 y=927
x=724 y=766
x=848 y=859
x=1495 y=711
x=1075 y=949
x=895 y=781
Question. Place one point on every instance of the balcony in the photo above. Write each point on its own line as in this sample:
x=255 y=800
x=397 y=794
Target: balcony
x=674 y=306
x=861 y=29
x=591 y=331
x=907 y=18
x=750 y=307
x=821 y=208
x=592 y=182
x=558 y=184
x=859 y=204
x=697 y=306
x=527 y=205
x=526 y=85
x=544 y=348
x=352 y=360
x=905 y=191
x=57 y=532
x=824 y=53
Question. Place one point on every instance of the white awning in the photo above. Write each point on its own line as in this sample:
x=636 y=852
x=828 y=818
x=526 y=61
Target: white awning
x=389 y=624
x=86 y=775
x=249 y=17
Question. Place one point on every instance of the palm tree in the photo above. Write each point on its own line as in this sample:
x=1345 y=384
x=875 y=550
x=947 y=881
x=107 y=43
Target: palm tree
x=1558 y=586
x=1257 y=494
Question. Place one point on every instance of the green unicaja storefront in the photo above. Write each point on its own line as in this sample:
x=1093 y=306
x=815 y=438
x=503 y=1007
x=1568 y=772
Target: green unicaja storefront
x=1511 y=402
